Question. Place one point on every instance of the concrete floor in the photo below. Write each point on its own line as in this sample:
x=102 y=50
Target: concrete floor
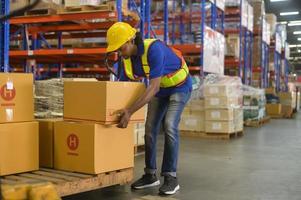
x=262 y=165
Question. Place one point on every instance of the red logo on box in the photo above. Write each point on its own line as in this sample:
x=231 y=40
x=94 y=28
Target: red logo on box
x=73 y=142
x=7 y=95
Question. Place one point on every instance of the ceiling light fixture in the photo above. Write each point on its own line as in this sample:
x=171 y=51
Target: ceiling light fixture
x=289 y=13
x=277 y=0
x=297 y=32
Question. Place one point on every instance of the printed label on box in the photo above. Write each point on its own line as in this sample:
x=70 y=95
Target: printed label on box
x=213 y=90
x=214 y=101
x=9 y=114
x=216 y=114
x=216 y=126
x=9 y=85
x=191 y=122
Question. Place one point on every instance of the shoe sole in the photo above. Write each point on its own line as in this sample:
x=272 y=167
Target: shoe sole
x=171 y=192
x=147 y=186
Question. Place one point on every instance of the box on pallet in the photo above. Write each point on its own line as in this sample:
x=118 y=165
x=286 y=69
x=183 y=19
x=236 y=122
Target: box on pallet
x=254 y=102
x=16 y=97
x=46 y=141
x=273 y=109
x=139 y=132
x=92 y=148
x=220 y=114
x=272 y=20
x=100 y=101
x=232 y=46
x=287 y=98
x=19 y=147
x=259 y=12
x=193 y=122
x=222 y=102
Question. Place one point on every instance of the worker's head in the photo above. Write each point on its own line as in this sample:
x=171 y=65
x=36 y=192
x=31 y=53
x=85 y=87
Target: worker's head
x=120 y=37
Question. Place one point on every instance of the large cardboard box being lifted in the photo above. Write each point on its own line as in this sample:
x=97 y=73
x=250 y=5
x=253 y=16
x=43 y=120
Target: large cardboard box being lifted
x=46 y=141
x=19 y=148
x=100 y=101
x=16 y=97
x=92 y=148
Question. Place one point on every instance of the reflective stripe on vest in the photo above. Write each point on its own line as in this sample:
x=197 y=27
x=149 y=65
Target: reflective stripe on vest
x=170 y=80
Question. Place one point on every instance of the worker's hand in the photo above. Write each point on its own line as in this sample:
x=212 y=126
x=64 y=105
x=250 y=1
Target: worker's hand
x=125 y=117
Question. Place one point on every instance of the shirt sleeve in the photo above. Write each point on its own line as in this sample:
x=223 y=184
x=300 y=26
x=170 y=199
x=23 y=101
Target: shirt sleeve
x=156 y=59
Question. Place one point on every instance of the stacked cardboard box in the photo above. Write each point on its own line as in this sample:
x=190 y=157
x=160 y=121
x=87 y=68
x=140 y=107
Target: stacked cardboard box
x=288 y=102
x=259 y=12
x=232 y=45
x=223 y=105
x=193 y=116
x=254 y=102
x=88 y=140
x=18 y=130
x=272 y=20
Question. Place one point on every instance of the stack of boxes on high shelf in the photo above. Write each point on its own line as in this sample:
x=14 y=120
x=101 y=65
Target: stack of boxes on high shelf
x=87 y=140
x=219 y=110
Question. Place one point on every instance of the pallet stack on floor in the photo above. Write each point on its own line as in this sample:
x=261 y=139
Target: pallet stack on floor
x=218 y=114
x=254 y=105
x=223 y=106
x=86 y=141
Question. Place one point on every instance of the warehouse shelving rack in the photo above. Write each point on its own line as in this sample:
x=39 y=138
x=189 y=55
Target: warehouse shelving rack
x=213 y=17
x=277 y=50
x=4 y=37
x=286 y=63
x=40 y=28
x=263 y=69
x=244 y=63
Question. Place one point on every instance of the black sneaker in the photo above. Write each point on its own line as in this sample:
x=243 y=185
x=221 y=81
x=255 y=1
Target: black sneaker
x=170 y=186
x=147 y=181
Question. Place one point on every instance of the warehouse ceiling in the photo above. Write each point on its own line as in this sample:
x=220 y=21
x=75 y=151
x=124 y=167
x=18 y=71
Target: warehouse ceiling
x=289 y=6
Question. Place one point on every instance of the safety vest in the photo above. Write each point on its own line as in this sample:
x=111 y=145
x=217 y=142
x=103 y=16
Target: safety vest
x=170 y=80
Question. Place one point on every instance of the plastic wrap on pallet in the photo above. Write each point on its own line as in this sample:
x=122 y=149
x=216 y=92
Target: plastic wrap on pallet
x=278 y=43
x=254 y=102
x=232 y=2
x=282 y=30
x=250 y=18
x=214 y=55
x=220 y=85
x=244 y=11
x=220 y=4
x=49 y=98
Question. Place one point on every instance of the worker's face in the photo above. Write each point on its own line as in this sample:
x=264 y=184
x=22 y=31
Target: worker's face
x=126 y=50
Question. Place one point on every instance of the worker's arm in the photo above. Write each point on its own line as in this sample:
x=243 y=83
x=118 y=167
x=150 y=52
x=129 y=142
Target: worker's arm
x=149 y=93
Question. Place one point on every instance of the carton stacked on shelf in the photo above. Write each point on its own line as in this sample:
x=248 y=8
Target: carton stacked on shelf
x=223 y=104
x=19 y=139
x=254 y=103
x=273 y=106
x=88 y=140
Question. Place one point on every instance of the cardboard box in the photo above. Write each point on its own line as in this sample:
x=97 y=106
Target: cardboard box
x=287 y=98
x=19 y=147
x=192 y=123
x=232 y=46
x=92 y=148
x=46 y=141
x=220 y=127
x=196 y=105
x=16 y=97
x=238 y=119
x=273 y=109
x=99 y=101
x=256 y=51
x=220 y=90
x=219 y=114
x=286 y=110
x=259 y=11
x=17 y=4
x=222 y=102
x=272 y=20
x=271 y=90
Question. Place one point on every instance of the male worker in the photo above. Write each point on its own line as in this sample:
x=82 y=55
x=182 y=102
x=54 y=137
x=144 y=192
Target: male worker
x=168 y=91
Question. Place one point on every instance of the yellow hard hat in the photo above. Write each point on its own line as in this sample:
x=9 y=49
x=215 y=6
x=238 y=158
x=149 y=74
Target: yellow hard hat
x=118 y=34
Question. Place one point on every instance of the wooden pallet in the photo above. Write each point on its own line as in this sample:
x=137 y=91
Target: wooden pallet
x=86 y=8
x=41 y=11
x=257 y=123
x=222 y=136
x=68 y=183
x=139 y=149
x=279 y=116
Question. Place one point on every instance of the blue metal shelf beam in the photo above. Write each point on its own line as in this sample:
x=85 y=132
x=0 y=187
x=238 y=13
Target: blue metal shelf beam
x=4 y=38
